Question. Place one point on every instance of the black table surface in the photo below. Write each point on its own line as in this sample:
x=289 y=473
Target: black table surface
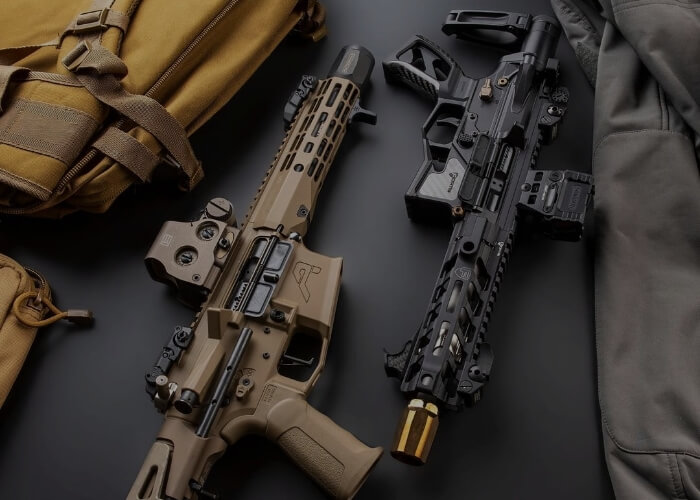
x=78 y=423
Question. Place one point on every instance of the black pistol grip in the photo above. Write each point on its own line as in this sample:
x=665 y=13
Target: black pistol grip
x=422 y=66
x=503 y=29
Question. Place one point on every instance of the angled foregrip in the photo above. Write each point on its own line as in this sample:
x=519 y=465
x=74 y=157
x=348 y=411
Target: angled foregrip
x=333 y=457
x=422 y=66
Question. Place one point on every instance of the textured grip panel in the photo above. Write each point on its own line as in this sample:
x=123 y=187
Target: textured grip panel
x=422 y=66
x=311 y=457
x=401 y=72
x=333 y=457
x=395 y=364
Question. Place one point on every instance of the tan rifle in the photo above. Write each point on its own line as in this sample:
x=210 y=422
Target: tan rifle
x=258 y=345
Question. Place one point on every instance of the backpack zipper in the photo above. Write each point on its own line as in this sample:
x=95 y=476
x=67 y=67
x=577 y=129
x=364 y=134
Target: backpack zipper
x=90 y=155
x=231 y=4
x=44 y=290
x=42 y=303
x=190 y=47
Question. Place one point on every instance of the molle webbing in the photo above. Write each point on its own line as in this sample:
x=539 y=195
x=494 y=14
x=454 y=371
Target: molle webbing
x=34 y=126
x=98 y=69
x=96 y=21
x=47 y=129
x=6 y=74
x=74 y=125
x=127 y=151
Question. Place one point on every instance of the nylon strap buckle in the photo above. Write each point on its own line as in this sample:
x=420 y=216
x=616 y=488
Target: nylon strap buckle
x=75 y=57
x=93 y=20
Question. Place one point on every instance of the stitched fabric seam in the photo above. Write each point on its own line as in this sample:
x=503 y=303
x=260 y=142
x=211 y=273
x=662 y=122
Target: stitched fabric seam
x=672 y=473
x=603 y=412
x=661 y=110
x=682 y=490
x=639 y=131
x=40 y=145
x=585 y=24
x=23 y=180
x=644 y=3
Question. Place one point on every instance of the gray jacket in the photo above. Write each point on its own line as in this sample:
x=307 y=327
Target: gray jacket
x=643 y=56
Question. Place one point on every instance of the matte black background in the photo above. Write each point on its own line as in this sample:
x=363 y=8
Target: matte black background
x=78 y=423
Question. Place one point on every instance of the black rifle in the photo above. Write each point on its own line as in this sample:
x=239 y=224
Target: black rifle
x=481 y=145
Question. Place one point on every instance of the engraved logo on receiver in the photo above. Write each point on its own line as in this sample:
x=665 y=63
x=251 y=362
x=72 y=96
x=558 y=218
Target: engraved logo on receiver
x=302 y=272
x=463 y=273
x=453 y=178
x=442 y=185
x=166 y=240
x=575 y=198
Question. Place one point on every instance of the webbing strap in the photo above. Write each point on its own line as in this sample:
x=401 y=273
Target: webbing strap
x=9 y=73
x=10 y=55
x=96 y=20
x=95 y=67
x=67 y=80
x=47 y=129
x=127 y=151
x=6 y=74
x=87 y=56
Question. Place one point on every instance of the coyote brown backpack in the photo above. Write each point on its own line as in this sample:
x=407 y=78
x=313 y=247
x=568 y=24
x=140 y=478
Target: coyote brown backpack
x=94 y=94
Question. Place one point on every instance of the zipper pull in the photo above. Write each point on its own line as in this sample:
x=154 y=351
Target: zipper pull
x=77 y=316
x=80 y=317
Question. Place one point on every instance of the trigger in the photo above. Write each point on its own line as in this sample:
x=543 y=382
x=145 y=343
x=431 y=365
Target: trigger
x=451 y=122
x=395 y=364
x=359 y=114
x=288 y=360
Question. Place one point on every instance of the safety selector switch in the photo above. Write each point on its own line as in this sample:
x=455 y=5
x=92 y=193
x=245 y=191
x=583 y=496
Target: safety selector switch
x=560 y=199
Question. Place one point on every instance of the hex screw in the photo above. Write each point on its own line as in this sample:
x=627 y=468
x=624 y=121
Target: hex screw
x=185 y=258
x=207 y=233
x=555 y=111
x=277 y=316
